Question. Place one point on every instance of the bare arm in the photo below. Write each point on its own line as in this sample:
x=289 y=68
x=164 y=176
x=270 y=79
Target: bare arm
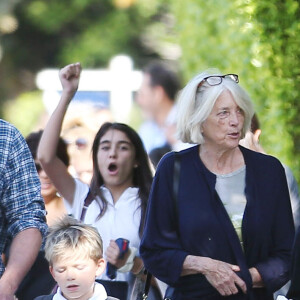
x=53 y=166
x=222 y=276
x=23 y=251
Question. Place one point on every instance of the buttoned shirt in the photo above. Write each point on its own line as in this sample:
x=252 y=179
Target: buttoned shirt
x=121 y=219
x=21 y=203
x=99 y=293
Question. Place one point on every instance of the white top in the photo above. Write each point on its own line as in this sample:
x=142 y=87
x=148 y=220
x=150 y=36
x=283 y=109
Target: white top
x=99 y=293
x=152 y=135
x=121 y=220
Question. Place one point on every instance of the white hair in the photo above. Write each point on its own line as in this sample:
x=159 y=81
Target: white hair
x=195 y=103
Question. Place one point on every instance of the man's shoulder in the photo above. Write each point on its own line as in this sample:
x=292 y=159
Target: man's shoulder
x=6 y=124
x=9 y=132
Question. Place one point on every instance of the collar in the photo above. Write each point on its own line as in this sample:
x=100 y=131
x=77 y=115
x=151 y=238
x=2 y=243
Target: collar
x=131 y=193
x=99 y=293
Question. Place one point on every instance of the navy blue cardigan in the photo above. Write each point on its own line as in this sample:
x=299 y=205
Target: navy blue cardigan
x=206 y=230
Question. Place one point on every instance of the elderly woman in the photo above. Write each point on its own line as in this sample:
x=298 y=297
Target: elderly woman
x=227 y=230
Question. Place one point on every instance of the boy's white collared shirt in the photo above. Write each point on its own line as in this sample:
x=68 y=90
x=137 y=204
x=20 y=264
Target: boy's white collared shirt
x=99 y=293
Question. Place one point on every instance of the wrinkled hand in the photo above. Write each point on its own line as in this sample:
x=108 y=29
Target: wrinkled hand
x=112 y=253
x=69 y=77
x=222 y=276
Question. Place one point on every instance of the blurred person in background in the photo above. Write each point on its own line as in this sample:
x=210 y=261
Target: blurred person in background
x=54 y=204
x=294 y=288
x=156 y=98
x=251 y=141
x=79 y=129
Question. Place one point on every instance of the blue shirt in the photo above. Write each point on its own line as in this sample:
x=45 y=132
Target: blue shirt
x=21 y=203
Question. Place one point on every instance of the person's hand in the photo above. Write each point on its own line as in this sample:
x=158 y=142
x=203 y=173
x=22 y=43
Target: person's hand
x=257 y=281
x=69 y=77
x=222 y=276
x=112 y=255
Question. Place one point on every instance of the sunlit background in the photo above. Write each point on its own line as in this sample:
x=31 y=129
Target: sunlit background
x=257 y=39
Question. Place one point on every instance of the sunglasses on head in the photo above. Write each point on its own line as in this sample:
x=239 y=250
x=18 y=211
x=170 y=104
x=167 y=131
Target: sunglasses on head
x=80 y=143
x=217 y=79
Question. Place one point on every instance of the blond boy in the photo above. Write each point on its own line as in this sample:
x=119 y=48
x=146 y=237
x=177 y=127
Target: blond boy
x=74 y=251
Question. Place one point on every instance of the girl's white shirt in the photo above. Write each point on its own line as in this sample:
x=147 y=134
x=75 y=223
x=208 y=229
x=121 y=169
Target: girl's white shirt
x=99 y=293
x=121 y=220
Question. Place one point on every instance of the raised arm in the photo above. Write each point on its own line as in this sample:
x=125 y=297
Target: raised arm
x=53 y=166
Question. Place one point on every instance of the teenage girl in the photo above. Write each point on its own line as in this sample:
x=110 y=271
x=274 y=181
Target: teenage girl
x=119 y=187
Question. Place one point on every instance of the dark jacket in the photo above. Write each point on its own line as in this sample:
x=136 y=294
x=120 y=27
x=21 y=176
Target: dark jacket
x=206 y=230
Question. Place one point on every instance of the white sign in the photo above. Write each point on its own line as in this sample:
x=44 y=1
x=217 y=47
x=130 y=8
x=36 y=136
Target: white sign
x=113 y=87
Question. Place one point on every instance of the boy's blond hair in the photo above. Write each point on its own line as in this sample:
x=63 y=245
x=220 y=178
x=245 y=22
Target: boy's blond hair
x=67 y=235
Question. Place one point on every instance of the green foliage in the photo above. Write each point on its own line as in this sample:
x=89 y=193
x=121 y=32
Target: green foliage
x=113 y=34
x=53 y=16
x=212 y=34
x=25 y=111
x=279 y=29
x=259 y=40
x=90 y=31
x=55 y=33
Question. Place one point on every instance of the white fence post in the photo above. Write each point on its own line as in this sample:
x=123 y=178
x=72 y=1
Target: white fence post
x=112 y=88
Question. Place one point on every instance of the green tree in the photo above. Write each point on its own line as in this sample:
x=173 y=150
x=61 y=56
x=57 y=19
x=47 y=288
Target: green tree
x=54 y=33
x=25 y=111
x=259 y=41
x=278 y=23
